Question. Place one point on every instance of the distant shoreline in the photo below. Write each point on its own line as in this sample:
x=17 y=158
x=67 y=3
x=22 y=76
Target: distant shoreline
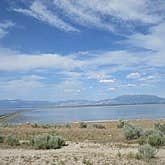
x=74 y=106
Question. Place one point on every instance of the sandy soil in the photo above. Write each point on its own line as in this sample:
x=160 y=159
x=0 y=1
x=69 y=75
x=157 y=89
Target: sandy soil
x=77 y=154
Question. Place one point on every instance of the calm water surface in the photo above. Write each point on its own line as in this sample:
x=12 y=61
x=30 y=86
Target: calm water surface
x=65 y=115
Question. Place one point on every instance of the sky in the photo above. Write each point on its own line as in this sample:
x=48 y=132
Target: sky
x=81 y=49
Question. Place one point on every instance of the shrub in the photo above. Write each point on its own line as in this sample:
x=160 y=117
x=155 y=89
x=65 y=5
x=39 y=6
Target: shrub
x=87 y=162
x=142 y=140
x=1 y=139
x=47 y=141
x=55 y=142
x=121 y=124
x=12 y=140
x=68 y=125
x=160 y=127
x=146 y=152
x=35 y=125
x=156 y=139
x=132 y=132
x=131 y=155
x=99 y=126
x=152 y=137
x=83 y=125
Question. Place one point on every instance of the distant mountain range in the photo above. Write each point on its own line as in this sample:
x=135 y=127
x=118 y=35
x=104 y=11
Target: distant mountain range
x=121 y=100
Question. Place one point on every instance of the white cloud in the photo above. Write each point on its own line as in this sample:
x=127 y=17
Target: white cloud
x=105 y=14
x=4 y=27
x=107 y=81
x=39 y=11
x=82 y=14
x=131 y=85
x=112 y=89
x=34 y=87
x=23 y=85
x=150 y=77
x=29 y=62
x=153 y=40
x=135 y=75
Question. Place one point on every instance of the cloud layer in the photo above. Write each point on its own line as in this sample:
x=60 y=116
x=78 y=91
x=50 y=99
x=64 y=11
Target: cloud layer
x=133 y=61
x=106 y=14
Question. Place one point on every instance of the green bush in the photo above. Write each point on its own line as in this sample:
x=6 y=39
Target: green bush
x=132 y=132
x=47 y=141
x=146 y=151
x=121 y=124
x=156 y=139
x=152 y=137
x=160 y=127
x=83 y=125
x=142 y=140
x=99 y=126
x=12 y=140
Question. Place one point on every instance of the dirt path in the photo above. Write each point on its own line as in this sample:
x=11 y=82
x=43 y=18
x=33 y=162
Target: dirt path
x=76 y=154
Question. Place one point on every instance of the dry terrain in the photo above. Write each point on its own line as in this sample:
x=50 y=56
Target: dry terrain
x=89 y=146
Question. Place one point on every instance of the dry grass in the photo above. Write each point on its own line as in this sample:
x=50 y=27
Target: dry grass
x=111 y=134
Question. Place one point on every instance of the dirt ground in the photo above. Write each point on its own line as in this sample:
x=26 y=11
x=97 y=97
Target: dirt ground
x=77 y=154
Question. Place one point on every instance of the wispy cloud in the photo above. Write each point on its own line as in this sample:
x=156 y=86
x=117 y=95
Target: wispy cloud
x=107 y=81
x=40 y=12
x=135 y=75
x=105 y=14
x=15 y=62
x=4 y=27
x=153 y=41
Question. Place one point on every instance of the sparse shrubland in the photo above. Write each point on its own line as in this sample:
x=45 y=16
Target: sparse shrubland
x=113 y=145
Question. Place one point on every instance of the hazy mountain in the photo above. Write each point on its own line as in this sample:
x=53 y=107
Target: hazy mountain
x=133 y=99
x=23 y=103
x=125 y=99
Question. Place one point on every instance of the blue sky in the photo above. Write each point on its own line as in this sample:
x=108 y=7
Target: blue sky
x=81 y=49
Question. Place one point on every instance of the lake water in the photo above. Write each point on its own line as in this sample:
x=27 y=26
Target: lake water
x=98 y=113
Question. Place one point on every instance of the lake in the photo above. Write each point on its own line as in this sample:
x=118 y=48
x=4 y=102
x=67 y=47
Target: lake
x=97 y=113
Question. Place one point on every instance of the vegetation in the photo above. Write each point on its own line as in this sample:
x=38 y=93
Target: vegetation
x=121 y=123
x=132 y=132
x=46 y=141
x=83 y=125
x=12 y=140
x=156 y=139
x=152 y=137
x=87 y=162
x=99 y=126
x=146 y=152
x=160 y=127
x=1 y=139
x=68 y=125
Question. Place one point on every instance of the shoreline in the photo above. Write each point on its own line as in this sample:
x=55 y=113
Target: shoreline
x=88 y=121
x=115 y=120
